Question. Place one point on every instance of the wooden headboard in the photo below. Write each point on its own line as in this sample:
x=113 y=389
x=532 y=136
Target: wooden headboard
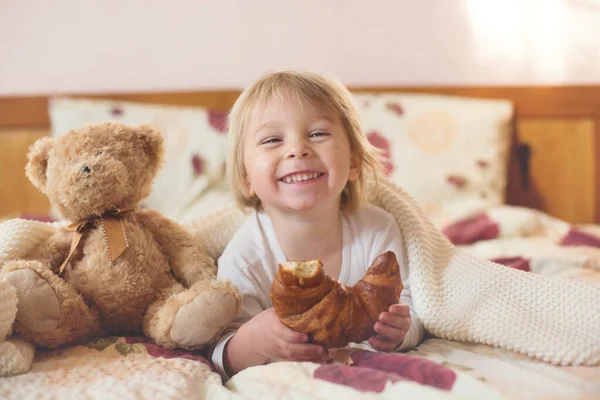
x=558 y=127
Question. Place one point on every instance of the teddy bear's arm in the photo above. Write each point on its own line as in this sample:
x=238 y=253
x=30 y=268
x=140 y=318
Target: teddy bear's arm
x=54 y=250
x=189 y=263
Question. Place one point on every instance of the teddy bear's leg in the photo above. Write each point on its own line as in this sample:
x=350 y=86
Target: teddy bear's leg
x=50 y=311
x=16 y=355
x=192 y=318
x=8 y=311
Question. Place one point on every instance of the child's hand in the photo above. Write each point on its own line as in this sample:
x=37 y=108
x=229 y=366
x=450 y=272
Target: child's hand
x=282 y=343
x=391 y=327
x=264 y=339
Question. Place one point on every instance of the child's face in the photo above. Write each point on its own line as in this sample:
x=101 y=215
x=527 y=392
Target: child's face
x=297 y=158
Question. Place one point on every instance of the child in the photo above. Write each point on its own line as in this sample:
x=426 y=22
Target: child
x=299 y=159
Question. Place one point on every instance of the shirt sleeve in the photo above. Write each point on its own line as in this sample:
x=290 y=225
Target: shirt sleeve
x=252 y=305
x=390 y=239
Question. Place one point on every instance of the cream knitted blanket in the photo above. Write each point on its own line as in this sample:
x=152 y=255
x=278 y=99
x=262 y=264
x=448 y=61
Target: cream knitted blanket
x=457 y=296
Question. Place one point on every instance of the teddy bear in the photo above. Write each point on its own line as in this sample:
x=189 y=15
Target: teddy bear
x=117 y=269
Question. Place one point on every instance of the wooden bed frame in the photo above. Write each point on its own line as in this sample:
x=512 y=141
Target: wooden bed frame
x=559 y=127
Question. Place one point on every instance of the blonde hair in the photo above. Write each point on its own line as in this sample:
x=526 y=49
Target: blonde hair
x=309 y=87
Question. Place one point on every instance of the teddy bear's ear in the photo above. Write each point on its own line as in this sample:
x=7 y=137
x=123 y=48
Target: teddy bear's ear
x=153 y=144
x=38 y=162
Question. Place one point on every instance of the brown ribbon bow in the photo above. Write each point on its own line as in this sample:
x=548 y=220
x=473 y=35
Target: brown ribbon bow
x=112 y=230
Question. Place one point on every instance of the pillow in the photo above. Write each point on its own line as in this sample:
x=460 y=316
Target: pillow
x=450 y=153
x=195 y=144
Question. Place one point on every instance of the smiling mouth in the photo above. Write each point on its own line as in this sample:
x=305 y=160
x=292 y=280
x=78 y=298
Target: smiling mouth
x=301 y=177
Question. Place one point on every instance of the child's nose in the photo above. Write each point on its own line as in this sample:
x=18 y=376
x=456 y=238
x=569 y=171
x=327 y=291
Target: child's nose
x=299 y=150
x=302 y=154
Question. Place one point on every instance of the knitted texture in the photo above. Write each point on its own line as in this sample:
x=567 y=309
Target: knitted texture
x=19 y=236
x=460 y=297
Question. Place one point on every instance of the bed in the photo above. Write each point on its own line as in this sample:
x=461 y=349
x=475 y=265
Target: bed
x=510 y=174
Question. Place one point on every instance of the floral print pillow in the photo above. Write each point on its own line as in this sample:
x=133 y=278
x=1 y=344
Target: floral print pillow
x=450 y=153
x=195 y=144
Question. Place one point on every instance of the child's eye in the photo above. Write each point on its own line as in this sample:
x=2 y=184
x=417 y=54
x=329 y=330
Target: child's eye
x=270 y=141
x=318 y=133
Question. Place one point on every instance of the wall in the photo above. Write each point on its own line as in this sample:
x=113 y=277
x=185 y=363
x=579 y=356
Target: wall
x=149 y=45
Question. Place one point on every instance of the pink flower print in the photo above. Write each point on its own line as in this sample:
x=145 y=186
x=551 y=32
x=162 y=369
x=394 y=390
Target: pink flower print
x=513 y=262
x=396 y=108
x=417 y=369
x=197 y=164
x=116 y=111
x=363 y=379
x=379 y=141
x=457 y=180
x=218 y=120
x=483 y=164
x=577 y=237
x=472 y=229
x=162 y=352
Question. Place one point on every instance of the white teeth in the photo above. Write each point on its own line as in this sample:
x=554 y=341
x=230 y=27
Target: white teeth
x=301 y=177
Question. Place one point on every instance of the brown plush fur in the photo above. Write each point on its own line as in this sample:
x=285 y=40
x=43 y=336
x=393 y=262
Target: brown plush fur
x=122 y=161
x=84 y=173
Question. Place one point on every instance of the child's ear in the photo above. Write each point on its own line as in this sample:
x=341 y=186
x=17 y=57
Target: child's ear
x=248 y=190
x=37 y=162
x=355 y=166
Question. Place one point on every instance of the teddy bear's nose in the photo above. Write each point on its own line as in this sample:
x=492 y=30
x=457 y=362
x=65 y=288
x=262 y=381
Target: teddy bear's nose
x=86 y=169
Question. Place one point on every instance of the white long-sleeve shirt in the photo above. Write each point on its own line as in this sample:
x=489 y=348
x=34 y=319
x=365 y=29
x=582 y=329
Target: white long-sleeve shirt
x=252 y=257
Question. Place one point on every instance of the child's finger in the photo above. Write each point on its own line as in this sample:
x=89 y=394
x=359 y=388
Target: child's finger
x=381 y=345
x=288 y=335
x=319 y=359
x=393 y=333
x=395 y=320
x=294 y=350
x=401 y=309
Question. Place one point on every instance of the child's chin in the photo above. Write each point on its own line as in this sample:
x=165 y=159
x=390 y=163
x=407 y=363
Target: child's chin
x=302 y=206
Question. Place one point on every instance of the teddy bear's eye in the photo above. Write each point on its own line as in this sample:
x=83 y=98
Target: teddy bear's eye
x=86 y=169
x=99 y=152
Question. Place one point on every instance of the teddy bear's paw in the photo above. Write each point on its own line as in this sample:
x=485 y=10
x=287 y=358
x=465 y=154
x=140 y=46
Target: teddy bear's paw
x=198 y=321
x=8 y=310
x=38 y=308
x=16 y=356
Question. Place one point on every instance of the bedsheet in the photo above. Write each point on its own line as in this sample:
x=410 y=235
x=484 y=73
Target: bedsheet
x=134 y=368
x=129 y=368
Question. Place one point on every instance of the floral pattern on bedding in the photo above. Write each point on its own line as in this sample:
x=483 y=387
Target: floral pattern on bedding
x=437 y=369
x=449 y=152
x=140 y=344
x=530 y=240
x=516 y=262
x=578 y=237
x=370 y=372
x=111 y=367
x=158 y=351
x=511 y=221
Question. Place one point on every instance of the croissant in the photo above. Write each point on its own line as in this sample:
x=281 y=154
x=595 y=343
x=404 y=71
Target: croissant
x=307 y=300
